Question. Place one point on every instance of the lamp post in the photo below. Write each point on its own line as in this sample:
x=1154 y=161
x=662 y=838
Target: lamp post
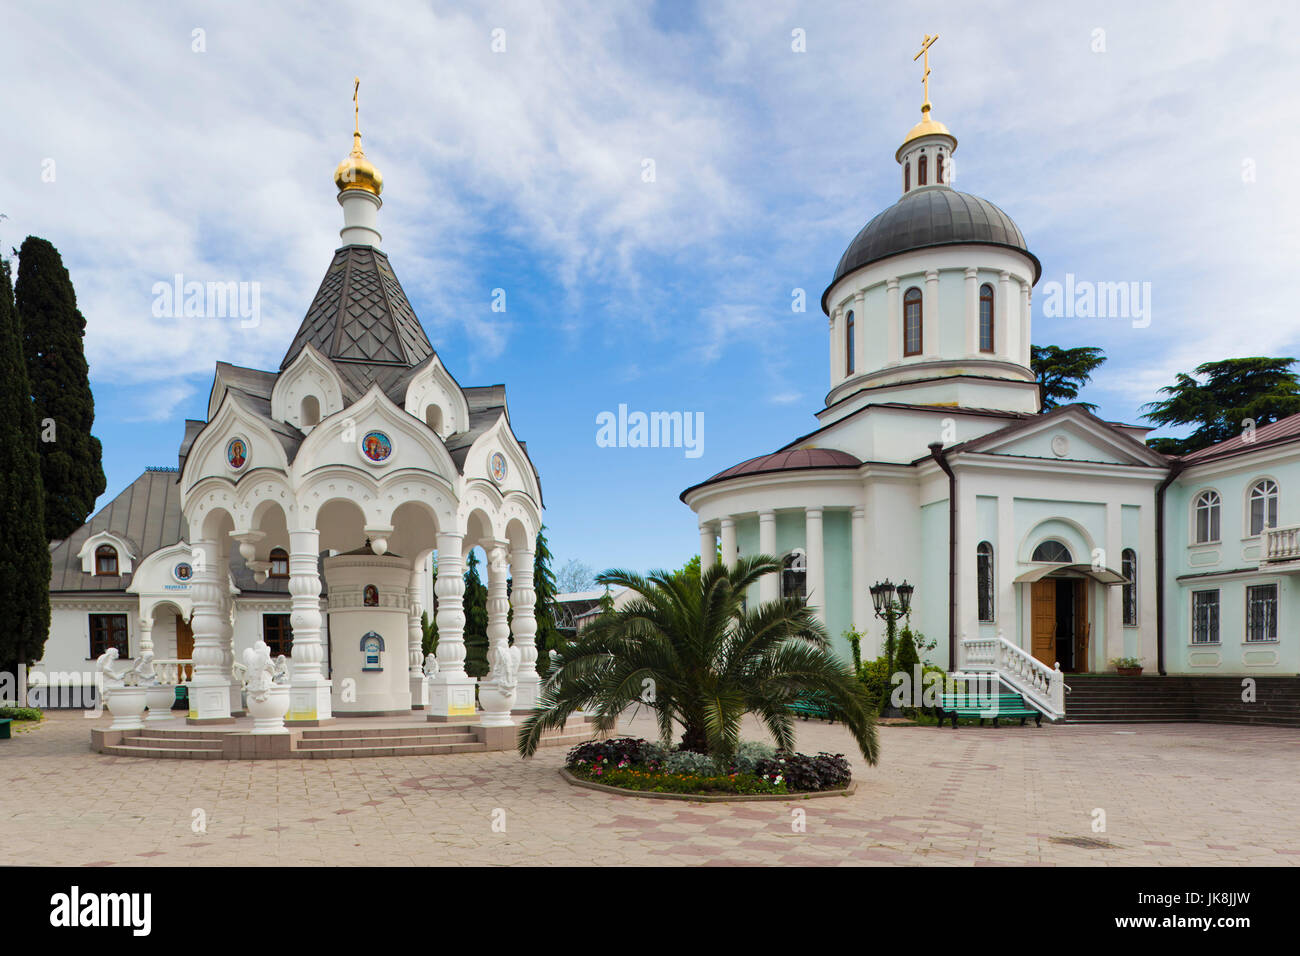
x=891 y=602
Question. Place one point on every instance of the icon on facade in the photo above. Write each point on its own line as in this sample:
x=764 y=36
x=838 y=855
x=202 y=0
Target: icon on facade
x=183 y=572
x=370 y=596
x=376 y=446
x=372 y=646
x=237 y=453
x=497 y=467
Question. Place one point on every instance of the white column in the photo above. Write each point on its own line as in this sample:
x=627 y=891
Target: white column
x=708 y=547
x=859 y=332
x=415 y=639
x=973 y=313
x=729 y=552
x=1006 y=609
x=816 y=574
x=769 y=585
x=209 y=689
x=451 y=692
x=235 y=689
x=309 y=693
x=930 y=322
x=497 y=698
x=1009 y=309
x=858 y=547
x=1026 y=323
x=146 y=634
x=1112 y=598
x=833 y=330
x=893 y=322
x=523 y=626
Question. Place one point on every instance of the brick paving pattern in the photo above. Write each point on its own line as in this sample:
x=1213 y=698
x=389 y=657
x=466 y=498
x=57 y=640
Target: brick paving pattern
x=1173 y=794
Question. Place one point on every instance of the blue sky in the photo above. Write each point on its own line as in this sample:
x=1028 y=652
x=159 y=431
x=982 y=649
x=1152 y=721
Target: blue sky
x=1166 y=157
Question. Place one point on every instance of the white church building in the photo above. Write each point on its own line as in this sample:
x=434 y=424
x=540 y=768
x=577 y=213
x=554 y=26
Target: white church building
x=305 y=511
x=1033 y=540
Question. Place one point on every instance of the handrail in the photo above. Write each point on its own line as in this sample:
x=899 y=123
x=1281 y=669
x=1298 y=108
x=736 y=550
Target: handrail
x=1281 y=544
x=1040 y=685
x=174 y=670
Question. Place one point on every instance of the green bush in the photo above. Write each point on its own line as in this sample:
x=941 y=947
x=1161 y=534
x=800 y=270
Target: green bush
x=641 y=779
x=690 y=763
x=874 y=675
x=20 y=713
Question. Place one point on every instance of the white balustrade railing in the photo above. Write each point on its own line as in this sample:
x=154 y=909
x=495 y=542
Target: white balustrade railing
x=1040 y=685
x=173 y=671
x=1281 y=544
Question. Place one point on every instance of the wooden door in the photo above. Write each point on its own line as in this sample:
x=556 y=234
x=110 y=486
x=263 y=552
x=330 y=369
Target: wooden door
x=184 y=644
x=1043 y=620
x=1082 y=627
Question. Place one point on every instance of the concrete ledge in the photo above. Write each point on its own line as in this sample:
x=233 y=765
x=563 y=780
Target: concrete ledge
x=308 y=723
x=208 y=721
x=709 y=798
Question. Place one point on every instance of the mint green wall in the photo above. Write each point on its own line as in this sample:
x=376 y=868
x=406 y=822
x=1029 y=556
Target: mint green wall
x=930 y=605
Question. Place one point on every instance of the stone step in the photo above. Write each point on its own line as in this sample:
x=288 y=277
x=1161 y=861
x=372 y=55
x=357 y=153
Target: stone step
x=390 y=750
x=428 y=729
x=121 y=750
x=149 y=741
x=388 y=740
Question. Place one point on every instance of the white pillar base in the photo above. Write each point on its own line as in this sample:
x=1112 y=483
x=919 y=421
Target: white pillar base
x=451 y=696
x=209 y=701
x=526 y=693
x=419 y=693
x=310 y=701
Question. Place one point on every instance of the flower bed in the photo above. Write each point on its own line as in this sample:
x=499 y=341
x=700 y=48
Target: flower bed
x=630 y=763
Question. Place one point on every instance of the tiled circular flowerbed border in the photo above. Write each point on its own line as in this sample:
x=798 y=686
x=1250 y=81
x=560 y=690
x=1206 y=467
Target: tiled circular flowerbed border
x=706 y=798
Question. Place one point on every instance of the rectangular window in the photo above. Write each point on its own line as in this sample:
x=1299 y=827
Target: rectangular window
x=278 y=634
x=108 y=630
x=1205 y=617
x=1130 y=592
x=1261 y=612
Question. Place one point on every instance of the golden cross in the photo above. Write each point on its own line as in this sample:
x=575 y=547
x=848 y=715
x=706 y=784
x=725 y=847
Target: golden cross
x=356 y=103
x=926 y=43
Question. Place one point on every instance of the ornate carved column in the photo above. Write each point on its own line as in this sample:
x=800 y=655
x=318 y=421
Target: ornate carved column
x=523 y=626
x=769 y=585
x=209 y=689
x=146 y=633
x=415 y=642
x=497 y=690
x=236 y=691
x=451 y=691
x=309 y=695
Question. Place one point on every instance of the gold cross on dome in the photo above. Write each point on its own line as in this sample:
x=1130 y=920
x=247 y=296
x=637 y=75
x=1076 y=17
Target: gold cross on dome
x=356 y=102
x=926 y=43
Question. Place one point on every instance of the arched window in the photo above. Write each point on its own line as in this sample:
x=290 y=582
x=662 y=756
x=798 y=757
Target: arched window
x=1052 y=551
x=106 y=559
x=986 y=318
x=921 y=170
x=794 y=575
x=848 y=344
x=1129 y=568
x=1263 y=506
x=1207 y=517
x=279 y=563
x=907 y=175
x=433 y=418
x=938 y=167
x=310 y=411
x=984 y=577
x=912 y=337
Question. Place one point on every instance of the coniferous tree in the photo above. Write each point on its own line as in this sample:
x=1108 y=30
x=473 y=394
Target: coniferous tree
x=476 y=619
x=24 y=547
x=548 y=633
x=1219 y=398
x=1062 y=372
x=71 y=458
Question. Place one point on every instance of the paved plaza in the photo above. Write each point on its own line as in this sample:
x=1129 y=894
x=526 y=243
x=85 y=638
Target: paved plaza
x=1172 y=794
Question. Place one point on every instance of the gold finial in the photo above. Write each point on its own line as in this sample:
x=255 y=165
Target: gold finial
x=357 y=172
x=926 y=43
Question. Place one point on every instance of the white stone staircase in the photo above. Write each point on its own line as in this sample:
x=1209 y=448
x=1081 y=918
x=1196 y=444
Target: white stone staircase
x=1042 y=687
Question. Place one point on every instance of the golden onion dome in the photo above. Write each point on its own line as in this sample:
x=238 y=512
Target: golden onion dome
x=357 y=172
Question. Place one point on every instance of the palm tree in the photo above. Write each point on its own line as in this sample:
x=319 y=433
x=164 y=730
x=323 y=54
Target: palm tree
x=690 y=650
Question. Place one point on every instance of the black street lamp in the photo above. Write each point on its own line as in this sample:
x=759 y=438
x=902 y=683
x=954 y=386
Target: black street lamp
x=889 y=610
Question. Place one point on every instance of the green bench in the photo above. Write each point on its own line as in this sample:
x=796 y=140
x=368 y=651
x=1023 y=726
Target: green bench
x=4 y=728
x=813 y=705
x=993 y=706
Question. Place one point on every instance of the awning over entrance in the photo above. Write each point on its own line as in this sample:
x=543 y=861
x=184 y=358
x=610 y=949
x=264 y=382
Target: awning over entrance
x=1100 y=575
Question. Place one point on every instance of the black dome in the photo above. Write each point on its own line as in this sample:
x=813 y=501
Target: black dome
x=925 y=217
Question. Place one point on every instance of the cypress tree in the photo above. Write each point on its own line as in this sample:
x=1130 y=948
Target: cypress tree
x=24 y=548
x=548 y=633
x=476 y=616
x=71 y=458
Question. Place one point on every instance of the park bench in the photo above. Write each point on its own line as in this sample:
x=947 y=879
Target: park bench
x=4 y=728
x=813 y=705
x=986 y=705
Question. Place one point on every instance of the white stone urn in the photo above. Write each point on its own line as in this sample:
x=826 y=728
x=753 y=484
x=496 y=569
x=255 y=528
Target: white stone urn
x=159 y=698
x=268 y=707
x=127 y=705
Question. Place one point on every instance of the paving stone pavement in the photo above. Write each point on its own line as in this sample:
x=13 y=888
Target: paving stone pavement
x=1173 y=794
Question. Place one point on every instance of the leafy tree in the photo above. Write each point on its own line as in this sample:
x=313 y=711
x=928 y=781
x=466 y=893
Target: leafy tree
x=548 y=633
x=707 y=660
x=24 y=547
x=476 y=619
x=1219 y=397
x=1062 y=372
x=53 y=346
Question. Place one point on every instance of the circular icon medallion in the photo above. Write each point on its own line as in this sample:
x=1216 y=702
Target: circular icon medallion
x=497 y=467
x=377 y=447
